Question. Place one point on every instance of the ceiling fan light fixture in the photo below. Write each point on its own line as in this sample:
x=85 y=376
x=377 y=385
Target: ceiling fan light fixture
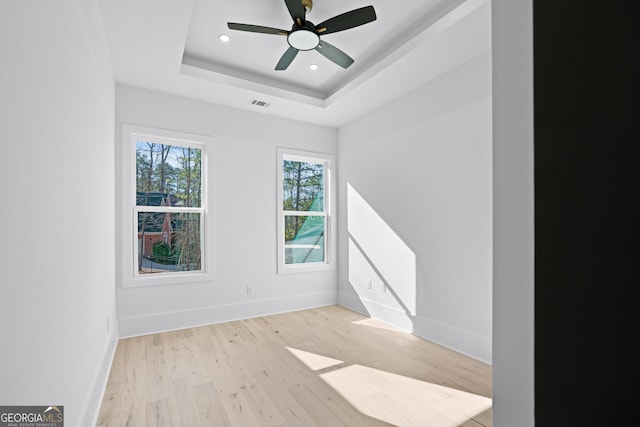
x=313 y=67
x=303 y=39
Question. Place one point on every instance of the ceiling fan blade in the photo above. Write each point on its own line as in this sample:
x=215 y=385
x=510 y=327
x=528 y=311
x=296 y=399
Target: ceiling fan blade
x=334 y=54
x=286 y=59
x=256 y=28
x=347 y=20
x=297 y=11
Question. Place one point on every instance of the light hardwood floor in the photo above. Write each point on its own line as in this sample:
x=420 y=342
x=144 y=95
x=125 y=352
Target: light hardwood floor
x=328 y=366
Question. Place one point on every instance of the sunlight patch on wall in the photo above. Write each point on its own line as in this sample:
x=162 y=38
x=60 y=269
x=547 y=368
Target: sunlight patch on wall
x=404 y=401
x=382 y=268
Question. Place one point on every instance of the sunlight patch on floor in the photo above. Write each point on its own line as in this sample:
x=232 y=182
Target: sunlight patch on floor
x=315 y=362
x=404 y=401
x=374 y=323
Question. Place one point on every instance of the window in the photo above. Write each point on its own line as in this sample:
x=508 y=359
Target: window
x=306 y=218
x=165 y=207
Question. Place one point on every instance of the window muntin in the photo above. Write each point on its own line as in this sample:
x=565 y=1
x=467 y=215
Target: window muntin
x=305 y=219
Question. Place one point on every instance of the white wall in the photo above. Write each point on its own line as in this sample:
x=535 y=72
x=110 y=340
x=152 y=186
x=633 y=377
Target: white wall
x=416 y=193
x=243 y=165
x=57 y=246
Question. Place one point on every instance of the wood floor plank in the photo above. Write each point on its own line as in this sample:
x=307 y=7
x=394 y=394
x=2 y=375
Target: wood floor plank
x=110 y=405
x=326 y=366
x=132 y=410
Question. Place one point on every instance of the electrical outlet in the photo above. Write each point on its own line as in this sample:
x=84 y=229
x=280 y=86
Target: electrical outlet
x=384 y=287
x=249 y=289
x=369 y=283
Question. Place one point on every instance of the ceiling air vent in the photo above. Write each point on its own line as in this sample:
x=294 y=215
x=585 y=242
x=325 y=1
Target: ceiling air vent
x=259 y=103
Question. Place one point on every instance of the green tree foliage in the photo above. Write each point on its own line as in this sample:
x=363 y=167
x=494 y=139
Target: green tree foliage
x=161 y=251
x=169 y=169
x=187 y=177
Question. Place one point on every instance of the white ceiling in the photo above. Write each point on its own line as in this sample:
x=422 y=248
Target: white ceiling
x=172 y=46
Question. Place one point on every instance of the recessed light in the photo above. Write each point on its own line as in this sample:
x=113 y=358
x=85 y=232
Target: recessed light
x=313 y=67
x=224 y=38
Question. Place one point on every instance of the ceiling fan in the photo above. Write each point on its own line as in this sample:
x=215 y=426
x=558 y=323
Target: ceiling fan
x=304 y=35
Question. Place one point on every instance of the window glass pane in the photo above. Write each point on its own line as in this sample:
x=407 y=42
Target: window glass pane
x=168 y=242
x=304 y=239
x=168 y=174
x=303 y=186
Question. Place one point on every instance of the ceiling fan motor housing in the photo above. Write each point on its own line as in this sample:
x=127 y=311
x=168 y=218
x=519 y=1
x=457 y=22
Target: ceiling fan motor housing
x=303 y=37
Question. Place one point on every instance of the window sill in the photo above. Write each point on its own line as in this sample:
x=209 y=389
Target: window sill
x=294 y=269
x=166 y=279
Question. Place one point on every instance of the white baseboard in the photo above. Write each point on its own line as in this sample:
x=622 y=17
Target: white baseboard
x=391 y=315
x=91 y=410
x=463 y=341
x=171 y=321
x=460 y=340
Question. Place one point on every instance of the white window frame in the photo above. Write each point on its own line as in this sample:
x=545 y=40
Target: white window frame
x=329 y=212
x=129 y=230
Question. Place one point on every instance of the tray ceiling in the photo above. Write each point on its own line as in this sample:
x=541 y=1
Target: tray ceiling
x=174 y=47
